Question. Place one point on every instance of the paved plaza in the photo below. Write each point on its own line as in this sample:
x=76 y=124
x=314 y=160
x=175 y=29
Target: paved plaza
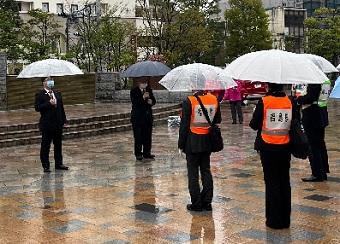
x=108 y=197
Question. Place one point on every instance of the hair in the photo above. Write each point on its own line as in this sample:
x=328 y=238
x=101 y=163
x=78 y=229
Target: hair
x=275 y=87
x=43 y=79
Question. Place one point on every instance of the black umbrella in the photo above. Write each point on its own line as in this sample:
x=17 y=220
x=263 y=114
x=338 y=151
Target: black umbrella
x=146 y=68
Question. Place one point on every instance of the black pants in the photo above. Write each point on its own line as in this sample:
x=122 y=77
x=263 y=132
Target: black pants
x=46 y=138
x=236 y=106
x=199 y=163
x=318 y=156
x=278 y=191
x=143 y=138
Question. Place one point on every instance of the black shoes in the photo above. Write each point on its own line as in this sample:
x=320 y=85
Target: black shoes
x=192 y=207
x=47 y=170
x=139 y=157
x=149 y=156
x=312 y=179
x=199 y=208
x=146 y=156
x=234 y=122
x=62 y=167
x=207 y=207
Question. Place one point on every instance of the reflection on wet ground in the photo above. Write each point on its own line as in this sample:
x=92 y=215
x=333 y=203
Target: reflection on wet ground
x=108 y=197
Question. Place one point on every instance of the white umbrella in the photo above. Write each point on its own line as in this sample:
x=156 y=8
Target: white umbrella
x=338 y=67
x=275 y=66
x=49 y=67
x=321 y=62
x=196 y=76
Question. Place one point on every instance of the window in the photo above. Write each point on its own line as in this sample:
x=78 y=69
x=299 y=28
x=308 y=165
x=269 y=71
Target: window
x=45 y=7
x=74 y=7
x=60 y=8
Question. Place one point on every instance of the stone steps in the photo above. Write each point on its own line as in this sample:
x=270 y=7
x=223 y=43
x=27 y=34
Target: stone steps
x=25 y=134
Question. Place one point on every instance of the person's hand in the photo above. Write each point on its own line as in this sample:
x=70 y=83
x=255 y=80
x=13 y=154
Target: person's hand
x=181 y=153
x=149 y=101
x=146 y=95
x=52 y=102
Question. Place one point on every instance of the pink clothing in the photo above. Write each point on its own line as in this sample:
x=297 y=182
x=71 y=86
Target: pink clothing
x=233 y=94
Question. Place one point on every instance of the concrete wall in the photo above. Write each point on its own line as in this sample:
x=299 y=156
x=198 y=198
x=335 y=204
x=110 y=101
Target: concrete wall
x=74 y=89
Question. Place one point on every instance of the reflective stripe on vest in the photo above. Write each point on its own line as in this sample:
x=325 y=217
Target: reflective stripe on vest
x=324 y=94
x=277 y=117
x=198 y=122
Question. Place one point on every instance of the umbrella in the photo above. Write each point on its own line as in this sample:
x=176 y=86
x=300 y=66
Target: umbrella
x=146 y=68
x=49 y=67
x=336 y=89
x=321 y=62
x=196 y=76
x=275 y=66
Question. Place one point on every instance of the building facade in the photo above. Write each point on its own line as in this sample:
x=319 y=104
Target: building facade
x=66 y=11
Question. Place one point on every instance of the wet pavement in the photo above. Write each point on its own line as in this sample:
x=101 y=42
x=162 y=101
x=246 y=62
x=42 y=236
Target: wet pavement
x=108 y=197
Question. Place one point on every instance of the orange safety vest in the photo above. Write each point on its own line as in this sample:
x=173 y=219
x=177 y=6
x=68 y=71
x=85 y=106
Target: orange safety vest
x=198 y=122
x=277 y=119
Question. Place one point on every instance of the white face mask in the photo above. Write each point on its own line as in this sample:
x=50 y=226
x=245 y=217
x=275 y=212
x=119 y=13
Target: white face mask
x=143 y=85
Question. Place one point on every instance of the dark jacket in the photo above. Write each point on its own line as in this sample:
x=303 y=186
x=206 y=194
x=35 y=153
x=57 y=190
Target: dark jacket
x=313 y=116
x=188 y=141
x=141 y=111
x=257 y=121
x=51 y=116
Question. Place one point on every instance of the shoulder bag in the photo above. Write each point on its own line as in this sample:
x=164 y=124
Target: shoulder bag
x=298 y=140
x=215 y=136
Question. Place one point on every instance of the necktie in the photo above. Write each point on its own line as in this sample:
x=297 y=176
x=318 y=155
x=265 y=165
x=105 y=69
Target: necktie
x=143 y=91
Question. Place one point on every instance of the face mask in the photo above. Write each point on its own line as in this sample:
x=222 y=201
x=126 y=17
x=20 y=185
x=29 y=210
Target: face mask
x=143 y=85
x=50 y=83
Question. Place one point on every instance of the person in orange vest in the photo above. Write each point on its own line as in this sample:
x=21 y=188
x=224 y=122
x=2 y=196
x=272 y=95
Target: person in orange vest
x=194 y=142
x=272 y=119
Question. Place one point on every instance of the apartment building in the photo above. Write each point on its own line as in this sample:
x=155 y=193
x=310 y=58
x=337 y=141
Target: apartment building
x=62 y=9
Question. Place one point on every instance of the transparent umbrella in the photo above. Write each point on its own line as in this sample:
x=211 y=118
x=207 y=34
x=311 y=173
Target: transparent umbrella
x=275 y=66
x=49 y=67
x=196 y=76
x=321 y=62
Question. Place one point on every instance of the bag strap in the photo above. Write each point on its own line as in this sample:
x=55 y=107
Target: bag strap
x=203 y=108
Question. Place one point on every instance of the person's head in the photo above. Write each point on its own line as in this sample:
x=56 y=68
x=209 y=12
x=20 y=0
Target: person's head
x=47 y=82
x=143 y=82
x=274 y=87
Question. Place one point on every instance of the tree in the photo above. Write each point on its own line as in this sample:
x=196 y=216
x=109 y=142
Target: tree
x=178 y=29
x=39 y=34
x=105 y=42
x=247 y=27
x=322 y=34
x=10 y=23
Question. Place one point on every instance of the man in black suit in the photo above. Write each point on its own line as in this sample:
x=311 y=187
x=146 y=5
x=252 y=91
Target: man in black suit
x=52 y=120
x=315 y=120
x=142 y=100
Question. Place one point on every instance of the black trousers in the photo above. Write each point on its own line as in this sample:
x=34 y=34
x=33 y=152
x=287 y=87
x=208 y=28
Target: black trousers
x=143 y=138
x=236 y=106
x=278 y=191
x=46 y=138
x=318 y=156
x=199 y=163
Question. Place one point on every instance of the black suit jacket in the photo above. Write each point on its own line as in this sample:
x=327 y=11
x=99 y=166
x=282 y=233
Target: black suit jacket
x=51 y=116
x=313 y=116
x=141 y=112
